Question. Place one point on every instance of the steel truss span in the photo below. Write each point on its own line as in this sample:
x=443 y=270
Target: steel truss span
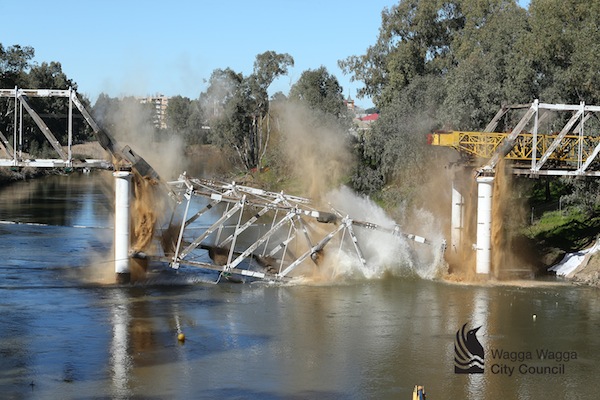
x=11 y=153
x=258 y=234
x=570 y=150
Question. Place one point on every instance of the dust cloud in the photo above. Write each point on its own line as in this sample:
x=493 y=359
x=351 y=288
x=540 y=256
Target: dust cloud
x=386 y=253
x=510 y=254
x=319 y=157
x=129 y=126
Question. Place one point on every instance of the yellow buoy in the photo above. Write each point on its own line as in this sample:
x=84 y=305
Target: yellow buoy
x=181 y=337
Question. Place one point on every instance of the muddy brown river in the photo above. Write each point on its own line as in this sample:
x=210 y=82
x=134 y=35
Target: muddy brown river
x=64 y=335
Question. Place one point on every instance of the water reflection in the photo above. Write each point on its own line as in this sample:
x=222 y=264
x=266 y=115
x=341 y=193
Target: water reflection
x=120 y=354
x=372 y=339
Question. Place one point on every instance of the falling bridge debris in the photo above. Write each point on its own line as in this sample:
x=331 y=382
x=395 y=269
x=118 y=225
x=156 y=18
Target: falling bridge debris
x=260 y=234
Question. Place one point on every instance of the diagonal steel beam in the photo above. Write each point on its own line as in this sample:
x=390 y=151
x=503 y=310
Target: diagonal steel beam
x=261 y=240
x=317 y=247
x=248 y=223
x=509 y=142
x=6 y=147
x=565 y=130
x=210 y=230
x=43 y=127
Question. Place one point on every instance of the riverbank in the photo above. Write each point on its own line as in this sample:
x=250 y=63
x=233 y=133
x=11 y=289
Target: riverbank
x=581 y=267
x=8 y=175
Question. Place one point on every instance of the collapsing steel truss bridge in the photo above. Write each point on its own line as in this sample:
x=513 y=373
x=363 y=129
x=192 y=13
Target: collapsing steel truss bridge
x=255 y=233
x=234 y=229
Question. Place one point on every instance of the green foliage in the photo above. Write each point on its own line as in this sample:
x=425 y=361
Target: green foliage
x=319 y=91
x=415 y=39
x=394 y=151
x=562 y=48
x=15 y=62
x=584 y=194
x=17 y=69
x=569 y=230
x=238 y=107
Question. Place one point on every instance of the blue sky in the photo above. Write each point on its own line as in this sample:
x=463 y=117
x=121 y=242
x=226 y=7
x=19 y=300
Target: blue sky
x=131 y=47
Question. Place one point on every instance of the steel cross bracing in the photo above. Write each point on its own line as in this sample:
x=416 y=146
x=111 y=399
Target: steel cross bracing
x=11 y=154
x=260 y=234
x=571 y=151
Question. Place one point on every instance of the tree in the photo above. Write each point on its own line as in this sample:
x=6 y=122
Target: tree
x=486 y=73
x=238 y=105
x=53 y=109
x=394 y=150
x=414 y=40
x=178 y=113
x=562 y=48
x=196 y=125
x=17 y=69
x=15 y=61
x=319 y=90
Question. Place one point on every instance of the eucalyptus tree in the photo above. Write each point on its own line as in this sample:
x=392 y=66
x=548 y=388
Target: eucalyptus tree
x=561 y=49
x=436 y=64
x=15 y=62
x=414 y=40
x=236 y=107
x=487 y=68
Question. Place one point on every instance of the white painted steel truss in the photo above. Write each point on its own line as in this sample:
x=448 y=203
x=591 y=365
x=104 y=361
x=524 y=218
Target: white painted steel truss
x=579 y=115
x=260 y=234
x=11 y=154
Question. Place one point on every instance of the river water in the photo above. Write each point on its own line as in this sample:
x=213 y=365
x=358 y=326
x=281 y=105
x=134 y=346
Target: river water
x=65 y=336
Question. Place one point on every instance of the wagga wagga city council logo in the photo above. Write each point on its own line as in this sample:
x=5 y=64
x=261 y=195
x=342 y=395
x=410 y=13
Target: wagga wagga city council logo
x=469 y=358
x=468 y=352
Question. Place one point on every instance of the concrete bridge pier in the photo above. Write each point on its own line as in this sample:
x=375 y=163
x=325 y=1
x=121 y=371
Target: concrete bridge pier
x=122 y=225
x=457 y=220
x=483 y=256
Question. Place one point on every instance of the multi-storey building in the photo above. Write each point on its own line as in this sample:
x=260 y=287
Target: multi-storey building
x=159 y=103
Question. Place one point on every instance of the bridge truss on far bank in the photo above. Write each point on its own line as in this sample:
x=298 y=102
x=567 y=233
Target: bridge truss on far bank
x=11 y=152
x=570 y=149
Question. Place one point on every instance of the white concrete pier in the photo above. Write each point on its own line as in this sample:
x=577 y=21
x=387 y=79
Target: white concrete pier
x=485 y=190
x=457 y=220
x=122 y=225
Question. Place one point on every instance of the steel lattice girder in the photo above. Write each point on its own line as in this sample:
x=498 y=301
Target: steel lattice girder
x=243 y=208
x=571 y=151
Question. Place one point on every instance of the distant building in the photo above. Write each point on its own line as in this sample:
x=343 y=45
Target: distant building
x=349 y=103
x=369 y=118
x=160 y=103
x=364 y=121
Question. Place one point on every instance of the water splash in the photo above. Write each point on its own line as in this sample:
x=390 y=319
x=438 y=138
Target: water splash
x=385 y=253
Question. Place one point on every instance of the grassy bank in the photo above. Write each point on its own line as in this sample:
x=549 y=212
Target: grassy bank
x=560 y=232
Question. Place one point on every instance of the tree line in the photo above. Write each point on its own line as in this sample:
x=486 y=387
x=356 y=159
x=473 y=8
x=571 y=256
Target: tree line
x=441 y=64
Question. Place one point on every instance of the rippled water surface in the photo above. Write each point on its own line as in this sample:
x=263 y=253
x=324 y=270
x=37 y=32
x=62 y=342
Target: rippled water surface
x=63 y=336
